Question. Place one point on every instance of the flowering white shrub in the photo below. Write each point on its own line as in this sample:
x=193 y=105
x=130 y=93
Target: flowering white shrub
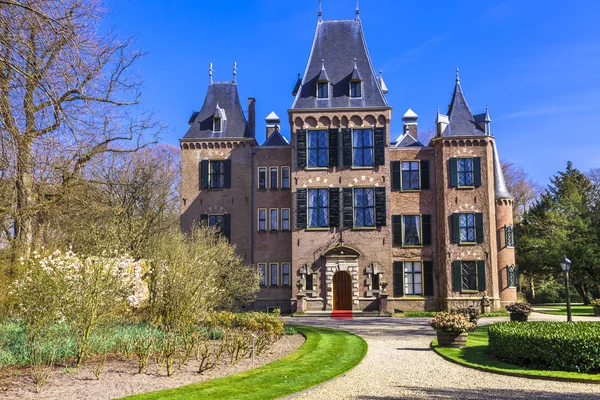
x=80 y=290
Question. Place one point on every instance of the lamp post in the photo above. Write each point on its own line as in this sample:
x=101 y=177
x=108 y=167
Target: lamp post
x=565 y=264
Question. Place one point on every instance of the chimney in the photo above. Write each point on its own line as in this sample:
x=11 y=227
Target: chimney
x=272 y=122
x=252 y=115
x=410 y=123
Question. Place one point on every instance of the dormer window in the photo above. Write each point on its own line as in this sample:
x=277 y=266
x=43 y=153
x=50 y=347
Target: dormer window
x=356 y=89
x=323 y=90
x=217 y=124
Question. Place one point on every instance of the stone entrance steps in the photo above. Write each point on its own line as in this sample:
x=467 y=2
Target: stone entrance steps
x=355 y=314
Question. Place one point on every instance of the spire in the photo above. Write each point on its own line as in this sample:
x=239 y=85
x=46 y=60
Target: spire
x=487 y=114
x=357 y=10
x=320 y=11
x=323 y=75
x=499 y=182
x=210 y=73
x=382 y=84
x=235 y=71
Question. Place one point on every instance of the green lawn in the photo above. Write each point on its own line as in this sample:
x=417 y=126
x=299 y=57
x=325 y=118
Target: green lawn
x=476 y=355
x=581 y=311
x=326 y=354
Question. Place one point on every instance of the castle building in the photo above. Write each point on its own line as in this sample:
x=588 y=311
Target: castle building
x=343 y=217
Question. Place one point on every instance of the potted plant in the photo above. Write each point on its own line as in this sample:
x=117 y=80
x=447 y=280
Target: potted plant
x=596 y=306
x=470 y=312
x=452 y=329
x=519 y=311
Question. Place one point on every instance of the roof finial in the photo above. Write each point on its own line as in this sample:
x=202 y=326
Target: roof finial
x=457 y=76
x=210 y=73
x=235 y=71
x=320 y=11
x=357 y=9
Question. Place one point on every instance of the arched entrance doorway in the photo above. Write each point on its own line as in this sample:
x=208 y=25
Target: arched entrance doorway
x=342 y=291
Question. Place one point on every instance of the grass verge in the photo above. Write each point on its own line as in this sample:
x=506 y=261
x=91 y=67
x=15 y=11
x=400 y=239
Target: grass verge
x=580 y=311
x=475 y=355
x=325 y=354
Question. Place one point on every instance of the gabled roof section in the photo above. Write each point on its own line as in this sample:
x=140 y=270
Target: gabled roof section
x=221 y=99
x=339 y=42
x=276 y=140
x=407 y=140
x=460 y=119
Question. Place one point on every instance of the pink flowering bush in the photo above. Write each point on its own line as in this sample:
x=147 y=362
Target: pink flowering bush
x=79 y=290
x=451 y=322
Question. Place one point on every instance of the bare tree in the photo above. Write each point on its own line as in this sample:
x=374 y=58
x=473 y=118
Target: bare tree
x=524 y=189
x=67 y=95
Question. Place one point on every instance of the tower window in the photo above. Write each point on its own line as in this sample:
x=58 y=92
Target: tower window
x=217 y=124
x=355 y=89
x=323 y=90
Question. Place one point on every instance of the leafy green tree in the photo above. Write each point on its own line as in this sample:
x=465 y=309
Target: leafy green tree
x=562 y=223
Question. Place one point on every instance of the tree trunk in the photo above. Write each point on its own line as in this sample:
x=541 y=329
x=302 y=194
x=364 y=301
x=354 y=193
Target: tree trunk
x=531 y=290
x=583 y=293
x=24 y=212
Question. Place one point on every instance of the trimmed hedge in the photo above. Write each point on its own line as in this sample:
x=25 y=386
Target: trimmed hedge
x=557 y=346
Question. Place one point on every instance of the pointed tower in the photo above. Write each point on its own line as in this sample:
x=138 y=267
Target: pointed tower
x=216 y=165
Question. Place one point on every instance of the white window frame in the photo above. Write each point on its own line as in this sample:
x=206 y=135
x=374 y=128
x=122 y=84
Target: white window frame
x=262 y=270
x=271 y=265
x=289 y=177
x=402 y=175
x=258 y=178
x=289 y=274
x=215 y=119
x=271 y=169
x=274 y=220
x=404 y=264
x=258 y=220
x=404 y=244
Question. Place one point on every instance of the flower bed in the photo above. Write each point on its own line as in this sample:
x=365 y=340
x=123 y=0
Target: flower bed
x=556 y=346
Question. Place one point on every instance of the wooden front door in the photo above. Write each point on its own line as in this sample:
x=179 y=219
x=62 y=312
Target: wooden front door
x=342 y=291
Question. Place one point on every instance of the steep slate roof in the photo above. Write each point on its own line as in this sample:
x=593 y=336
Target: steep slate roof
x=234 y=125
x=499 y=183
x=461 y=120
x=406 y=140
x=339 y=43
x=276 y=139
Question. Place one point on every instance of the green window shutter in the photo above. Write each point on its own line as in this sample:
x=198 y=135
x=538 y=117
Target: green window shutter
x=456 y=277
x=347 y=208
x=453 y=172
x=476 y=171
x=227 y=183
x=334 y=207
x=481 y=275
x=396 y=230
x=301 y=208
x=428 y=278
x=204 y=219
x=380 y=217
x=204 y=174
x=426 y=219
x=301 y=148
x=424 y=174
x=333 y=147
x=398 y=279
x=479 y=227
x=227 y=226
x=347 y=147
x=395 y=167
x=379 y=144
x=455 y=228
x=515 y=236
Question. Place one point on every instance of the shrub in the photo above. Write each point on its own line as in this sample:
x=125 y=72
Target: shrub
x=451 y=322
x=547 y=345
x=595 y=303
x=289 y=330
x=470 y=312
x=519 y=308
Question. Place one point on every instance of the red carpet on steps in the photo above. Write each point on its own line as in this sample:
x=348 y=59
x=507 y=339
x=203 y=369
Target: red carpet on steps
x=341 y=314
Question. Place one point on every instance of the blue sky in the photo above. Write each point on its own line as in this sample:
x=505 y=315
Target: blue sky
x=534 y=63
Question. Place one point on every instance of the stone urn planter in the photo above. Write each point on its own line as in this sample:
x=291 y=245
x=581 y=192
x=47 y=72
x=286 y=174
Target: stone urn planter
x=596 y=307
x=451 y=339
x=597 y=311
x=519 y=317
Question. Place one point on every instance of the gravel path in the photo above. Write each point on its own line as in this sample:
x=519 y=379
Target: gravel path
x=400 y=365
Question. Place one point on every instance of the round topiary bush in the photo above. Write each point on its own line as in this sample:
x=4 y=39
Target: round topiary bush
x=560 y=346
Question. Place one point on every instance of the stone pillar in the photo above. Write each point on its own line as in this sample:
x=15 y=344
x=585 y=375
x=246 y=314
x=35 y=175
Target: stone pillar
x=300 y=303
x=383 y=303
